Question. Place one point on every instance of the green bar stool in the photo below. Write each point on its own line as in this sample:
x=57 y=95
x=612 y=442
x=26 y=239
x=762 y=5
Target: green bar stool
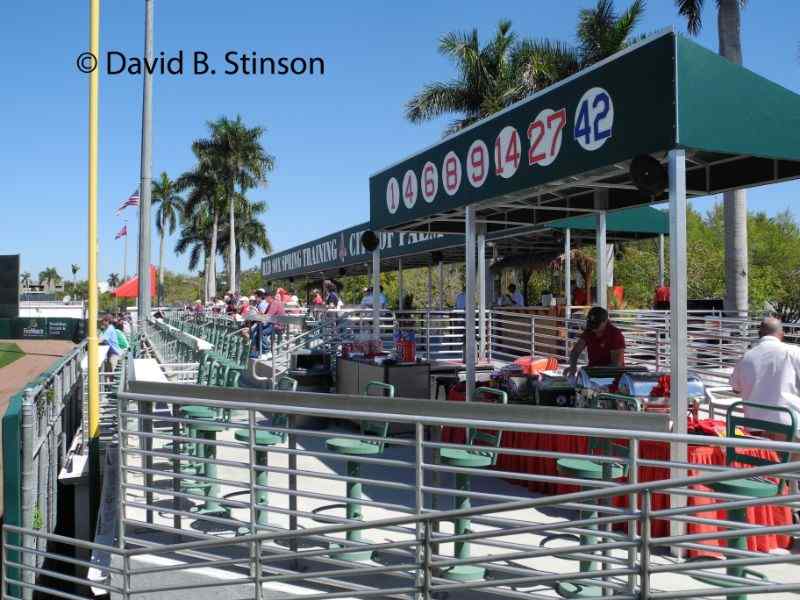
x=356 y=447
x=205 y=426
x=750 y=487
x=474 y=457
x=265 y=439
x=583 y=468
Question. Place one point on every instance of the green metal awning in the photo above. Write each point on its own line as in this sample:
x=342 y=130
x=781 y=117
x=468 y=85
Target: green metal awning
x=552 y=152
x=329 y=255
x=341 y=252
x=641 y=219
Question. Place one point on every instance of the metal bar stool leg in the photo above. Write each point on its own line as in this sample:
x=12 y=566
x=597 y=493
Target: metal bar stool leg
x=262 y=496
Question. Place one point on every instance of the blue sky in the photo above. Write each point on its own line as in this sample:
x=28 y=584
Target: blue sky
x=328 y=133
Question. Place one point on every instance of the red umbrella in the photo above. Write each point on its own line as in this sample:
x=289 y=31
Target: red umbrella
x=130 y=289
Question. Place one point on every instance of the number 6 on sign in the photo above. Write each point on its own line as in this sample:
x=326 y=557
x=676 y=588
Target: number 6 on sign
x=545 y=134
x=594 y=119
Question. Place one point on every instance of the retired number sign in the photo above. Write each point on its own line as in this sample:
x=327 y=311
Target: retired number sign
x=594 y=118
x=429 y=182
x=592 y=126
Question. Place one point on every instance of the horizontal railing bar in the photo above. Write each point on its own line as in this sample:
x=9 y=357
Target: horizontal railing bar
x=451 y=421
x=774 y=588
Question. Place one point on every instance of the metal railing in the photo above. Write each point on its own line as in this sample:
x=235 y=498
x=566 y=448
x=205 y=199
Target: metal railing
x=527 y=544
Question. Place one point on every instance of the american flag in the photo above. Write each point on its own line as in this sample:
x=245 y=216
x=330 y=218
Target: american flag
x=122 y=232
x=133 y=200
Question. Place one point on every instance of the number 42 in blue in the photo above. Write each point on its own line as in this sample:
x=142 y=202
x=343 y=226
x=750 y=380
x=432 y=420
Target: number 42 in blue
x=594 y=119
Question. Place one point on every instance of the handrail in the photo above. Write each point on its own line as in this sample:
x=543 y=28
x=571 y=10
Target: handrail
x=329 y=399
x=443 y=515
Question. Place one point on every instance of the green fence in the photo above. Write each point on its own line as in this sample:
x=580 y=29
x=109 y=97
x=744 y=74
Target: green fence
x=51 y=405
x=12 y=473
x=43 y=328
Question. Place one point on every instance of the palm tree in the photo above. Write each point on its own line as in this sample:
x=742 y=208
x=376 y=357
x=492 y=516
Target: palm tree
x=251 y=237
x=602 y=32
x=25 y=278
x=237 y=156
x=74 y=268
x=49 y=276
x=195 y=236
x=113 y=280
x=735 y=202
x=170 y=207
x=505 y=70
x=202 y=207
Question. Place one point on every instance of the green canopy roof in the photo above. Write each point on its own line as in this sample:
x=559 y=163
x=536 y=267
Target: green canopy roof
x=560 y=148
x=641 y=219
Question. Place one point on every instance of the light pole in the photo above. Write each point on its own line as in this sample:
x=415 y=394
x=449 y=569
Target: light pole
x=145 y=187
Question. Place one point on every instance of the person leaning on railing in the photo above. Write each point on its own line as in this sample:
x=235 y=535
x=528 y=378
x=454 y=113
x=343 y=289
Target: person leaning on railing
x=602 y=340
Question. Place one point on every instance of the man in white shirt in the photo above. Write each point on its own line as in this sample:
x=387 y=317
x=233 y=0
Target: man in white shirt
x=769 y=373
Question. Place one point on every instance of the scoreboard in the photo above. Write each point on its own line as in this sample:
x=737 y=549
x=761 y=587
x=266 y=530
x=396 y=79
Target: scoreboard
x=9 y=286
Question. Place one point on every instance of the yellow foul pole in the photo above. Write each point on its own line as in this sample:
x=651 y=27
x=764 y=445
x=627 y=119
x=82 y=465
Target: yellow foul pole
x=94 y=85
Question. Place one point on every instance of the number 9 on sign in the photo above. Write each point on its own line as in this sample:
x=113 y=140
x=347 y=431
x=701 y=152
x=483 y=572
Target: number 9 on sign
x=594 y=119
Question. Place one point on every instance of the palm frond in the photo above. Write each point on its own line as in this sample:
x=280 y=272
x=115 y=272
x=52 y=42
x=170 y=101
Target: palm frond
x=437 y=99
x=693 y=11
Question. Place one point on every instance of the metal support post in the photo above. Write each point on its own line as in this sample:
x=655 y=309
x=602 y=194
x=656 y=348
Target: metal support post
x=661 y=260
x=481 y=241
x=400 y=291
x=469 y=304
x=678 y=328
x=441 y=286
x=601 y=202
x=376 y=290
x=28 y=491
x=567 y=272
x=430 y=287
x=146 y=167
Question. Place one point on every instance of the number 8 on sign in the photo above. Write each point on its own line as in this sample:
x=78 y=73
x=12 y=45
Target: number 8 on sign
x=594 y=119
x=507 y=152
x=451 y=173
x=392 y=195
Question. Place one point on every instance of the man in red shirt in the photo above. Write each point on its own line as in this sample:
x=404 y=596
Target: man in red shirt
x=604 y=343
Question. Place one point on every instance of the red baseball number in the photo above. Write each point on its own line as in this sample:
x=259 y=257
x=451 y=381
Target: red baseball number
x=506 y=152
x=545 y=135
x=536 y=132
x=451 y=173
x=410 y=189
x=430 y=182
x=392 y=195
x=477 y=163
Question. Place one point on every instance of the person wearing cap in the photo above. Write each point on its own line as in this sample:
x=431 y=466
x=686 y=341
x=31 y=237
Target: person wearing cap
x=602 y=340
